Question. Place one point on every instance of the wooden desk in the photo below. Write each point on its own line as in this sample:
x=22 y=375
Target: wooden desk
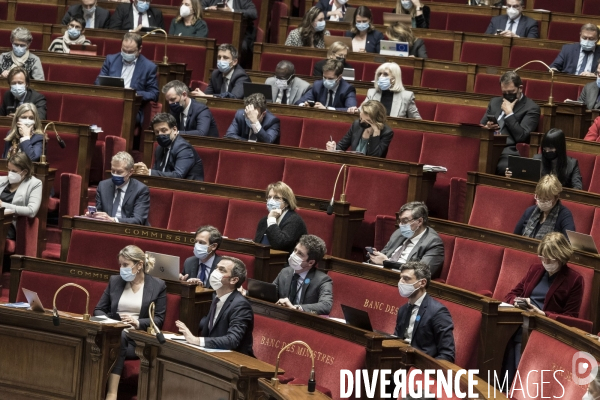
x=175 y=371
x=288 y=392
x=69 y=361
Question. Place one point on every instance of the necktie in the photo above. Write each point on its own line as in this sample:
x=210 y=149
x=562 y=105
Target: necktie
x=597 y=102
x=501 y=123
x=115 y=206
x=511 y=24
x=406 y=322
x=139 y=19
x=584 y=62
x=202 y=274
x=182 y=122
x=330 y=99
x=212 y=312
x=294 y=288
x=224 y=86
x=284 y=97
x=396 y=255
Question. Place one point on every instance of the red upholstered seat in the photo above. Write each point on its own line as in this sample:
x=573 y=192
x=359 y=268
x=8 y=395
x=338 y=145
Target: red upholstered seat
x=438 y=20
x=192 y=210
x=467 y=323
x=295 y=175
x=588 y=277
x=406 y=145
x=72 y=74
x=583 y=215
x=35 y=12
x=590 y=7
x=247 y=259
x=36 y=44
x=487 y=84
x=210 y=162
x=520 y=55
x=385 y=226
x=457 y=201
x=243 y=217
x=595 y=232
x=378 y=13
x=587 y=163
x=3 y=11
x=316 y=133
x=449 y=242
x=172 y=313
x=458 y=113
x=475 y=265
x=53 y=104
x=439 y=49
x=565 y=6
x=248 y=170
x=487 y=214
x=269 y=61
x=192 y=56
x=566 y=31
x=291 y=130
x=83 y=110
x=70 y=195
x=448 y=80
x=220 y=29
x=331 y=353
x=426 y=109
x=595 y=177
x=472 y=23
x=320 y=224
x=481 y=53
x=223 y=119
x=540 y=90
x=161 y=201
x=514 y=267
x=278 y=10
x=96 y=249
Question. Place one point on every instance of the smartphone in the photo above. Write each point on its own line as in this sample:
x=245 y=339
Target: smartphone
x=369 y=250
x=311 y=103
x=498 y=31
x=221 y=5
x=492 y=119
x=92 y=210
x=522 y=304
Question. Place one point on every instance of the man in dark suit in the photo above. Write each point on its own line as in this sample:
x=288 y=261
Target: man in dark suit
x=301 y=285
x=413 y=241
x=287 y=87
x=135 y=16
x=227 y=81
x=254 y=123
x=514 y=23
x=229 y=324
x=95 y=17
x=590 y=95
x=198 y=268
x=513 y=115
x=332 y=92
x=580 y=58
x=137 y=71
x=174 y=157
x=193 y=118
x=423 y=322
x=122 y=199
x=21 y=93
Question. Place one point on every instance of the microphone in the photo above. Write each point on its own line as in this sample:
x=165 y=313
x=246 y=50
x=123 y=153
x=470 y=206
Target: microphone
x=153 y=329
x=550 y=98
x=343 y=197
x=165 y=58
x=55 y=317
x=61 y=142
x=312 y=383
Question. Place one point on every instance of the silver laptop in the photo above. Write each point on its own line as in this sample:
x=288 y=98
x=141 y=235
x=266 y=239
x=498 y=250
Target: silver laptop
x=583 y=242
x=348 y=74
x=166 y=267
x=34 y=301
x=392 y=48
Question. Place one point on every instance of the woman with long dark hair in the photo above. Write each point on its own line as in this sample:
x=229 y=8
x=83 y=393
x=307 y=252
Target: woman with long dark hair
x=311 y=31
x=555 y=160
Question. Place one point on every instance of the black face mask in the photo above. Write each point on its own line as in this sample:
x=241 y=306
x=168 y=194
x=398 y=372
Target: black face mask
x=364 y=124
x=164 y=140
x=510 y=96
x=342 y=59
x=550 y=155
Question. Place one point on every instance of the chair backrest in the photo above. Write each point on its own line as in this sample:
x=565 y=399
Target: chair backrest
x=490 y=210
x=439 y=49
x=481 y=53
x=583 y=215
x=316 y=133
x=320 y=224
x=192 y=210
x=515 y=265
x=406 y=145
x=303 y=185
x=248 y=170
x=467 y=325
x=447 y=80
x=242 y=218
x=161 y=200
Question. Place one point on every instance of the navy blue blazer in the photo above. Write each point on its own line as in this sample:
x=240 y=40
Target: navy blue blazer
x=191 y=268
x=433 y=330
x=233 y=328
x=136 y=201
x=32 y=96
x=200 y=121
x=122 y=18
x=31 y=147
x=564 y=221
x=527 y=28
x=183 y=163
x=155 y=290
x=240 y=130
x=345 y=96
x=324 y=6
x=567 y=59
x=373 y=40
x=235 y=90
x=143 y=80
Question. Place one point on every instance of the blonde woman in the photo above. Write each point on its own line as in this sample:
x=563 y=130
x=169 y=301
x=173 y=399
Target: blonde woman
x=311 y=31
x=418 y=12
x=189 y=22
x=127 y=298
x=25 y=133
x=389 y=90
x=337 y=51
x=402 y=33
x=369 y=134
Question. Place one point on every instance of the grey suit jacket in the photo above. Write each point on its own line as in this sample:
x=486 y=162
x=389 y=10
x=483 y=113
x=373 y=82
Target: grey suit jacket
x=403 y=105
x=136 y=201
x=589 y=95
x=27 y=199
x=429 y=250
x=317 y=290
x=295 y=90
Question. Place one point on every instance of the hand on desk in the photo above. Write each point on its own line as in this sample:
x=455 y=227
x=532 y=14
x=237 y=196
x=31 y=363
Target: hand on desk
x=131 y=321
x=101 y=216
x=491 y=126
x=140 y=169
x=377 y=257
x=187 y=334
x=508 y=173
x=285 y=302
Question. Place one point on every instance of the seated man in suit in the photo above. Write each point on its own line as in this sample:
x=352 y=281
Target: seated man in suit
x=413 y=241
x=229 y=324
x=121 y=198
x=136 y=15
x=287 y=87
x=198 y=268
x=20 y=93
x=227 y=81
x=301 y=285
x=137 y=71
x=423 y=322
x=254 y=123
x=332 y=92
x=513 y=115
x=590 y=93
x=95 y=17
x=174 y=157
x=193 y=117
x=514 y=23
x=580 y=58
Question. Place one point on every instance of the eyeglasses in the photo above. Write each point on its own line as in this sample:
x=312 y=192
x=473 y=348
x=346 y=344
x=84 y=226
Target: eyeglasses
x=404 y=221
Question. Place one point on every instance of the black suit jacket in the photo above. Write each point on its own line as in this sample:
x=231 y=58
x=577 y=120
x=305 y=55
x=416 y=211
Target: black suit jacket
x=418 y=49
x=433 y=329
x=136 y=201
x=183 y=163
x=200 y=121
x=345 y=95
x=373 y=40
x=285 y=235
x=572 y=177
x=589 y=96
x=527 y=28
x=101 y=16
x=155 y=290
x=122 y=18
x=235 y=90
x=524 y=120
x=567 y=59
x=233 y=328
x=191 y=267
x=377 y=145
x=317 y=290
x=32 y=96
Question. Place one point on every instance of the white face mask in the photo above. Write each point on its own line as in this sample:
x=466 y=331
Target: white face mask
x=215 y=279
x=26 y=121
x=513 y=13
x=295 y=262
x=551 y=267
x=184 y=11
x=14 y=177
x=406 y=289
x=544 y=205
x=282 y=84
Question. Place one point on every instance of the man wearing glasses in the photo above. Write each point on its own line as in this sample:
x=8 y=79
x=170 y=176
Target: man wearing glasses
x=513 y=23
x=413 y=241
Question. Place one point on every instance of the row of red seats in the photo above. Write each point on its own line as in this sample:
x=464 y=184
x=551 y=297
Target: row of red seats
x=589 y=7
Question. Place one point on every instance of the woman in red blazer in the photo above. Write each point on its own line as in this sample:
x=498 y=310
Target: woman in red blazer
x=594 y=131
x=550 y=288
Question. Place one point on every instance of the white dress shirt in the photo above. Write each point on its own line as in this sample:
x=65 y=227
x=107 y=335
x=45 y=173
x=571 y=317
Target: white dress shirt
x=588 y=65
x=411 y=244
x=334 y=17
x=89 y=21
x=123 y=191
x=413 y=319
x=136 y=16
x=222 y=301
x=127 y=73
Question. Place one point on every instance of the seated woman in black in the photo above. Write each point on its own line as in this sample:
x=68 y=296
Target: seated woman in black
x=364 y=36
x=127 y=299
x=282 y=227
x=548 y=215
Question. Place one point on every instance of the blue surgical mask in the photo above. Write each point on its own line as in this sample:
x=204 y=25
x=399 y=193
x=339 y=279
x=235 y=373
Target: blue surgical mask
x=320 y=26
x=406 y=231
x=224 y=66
x=74 y=33
x=407 y=4
x=143 y=6
x=587 y=45
x=118 y=180
x=362 y=26
x=19 y=50
x=200 y=251
x=18 y=90
x=128 y=58
x=384 y=82
x=329 y=84
x=273 y=204
x=127 y=274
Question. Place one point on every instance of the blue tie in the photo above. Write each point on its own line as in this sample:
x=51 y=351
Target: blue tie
x=584 y=62
x=202 y=275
